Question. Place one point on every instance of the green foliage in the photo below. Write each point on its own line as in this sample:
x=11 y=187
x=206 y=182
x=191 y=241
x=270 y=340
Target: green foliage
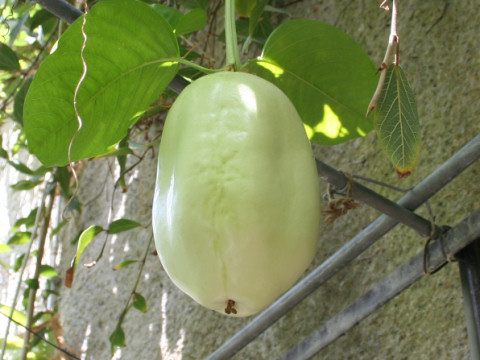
x=139 y=302
x=19 y=238
x=5 y=248
x=28 y=221
x=117 y=338
x=125 y=263
x=328 y=77
x=122 y=225
x=396 y=121
x=139 y=45
x=48 y=271
x=85 y=239
x=8 y=59
x=19 y=100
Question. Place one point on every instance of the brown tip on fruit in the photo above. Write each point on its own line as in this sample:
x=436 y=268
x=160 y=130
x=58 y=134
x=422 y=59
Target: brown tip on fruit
x=230 y=309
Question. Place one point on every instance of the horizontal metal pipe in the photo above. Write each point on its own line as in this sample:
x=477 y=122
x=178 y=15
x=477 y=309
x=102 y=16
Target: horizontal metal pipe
x=453 y=241
x=61 y=9
x=375 y=200
x=412 y=200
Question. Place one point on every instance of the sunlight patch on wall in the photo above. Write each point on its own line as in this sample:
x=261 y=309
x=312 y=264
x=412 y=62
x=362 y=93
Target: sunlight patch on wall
x=84 y=346
x=165 y=347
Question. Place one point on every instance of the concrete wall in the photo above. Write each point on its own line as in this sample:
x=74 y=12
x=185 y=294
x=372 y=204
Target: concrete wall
x=440 y=54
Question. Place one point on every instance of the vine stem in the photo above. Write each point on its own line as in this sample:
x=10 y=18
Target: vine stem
x=22 y=270
x=33 y=291
x=233 y=53
x=393 y=43
x=137 y=281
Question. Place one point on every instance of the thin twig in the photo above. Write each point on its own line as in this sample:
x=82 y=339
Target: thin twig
x=33 y=291
x=393 y=43
x=28 y=71
x=134 y=290
x=66 y=352
x=22 y=270
x=381 y=183
x=77 y=113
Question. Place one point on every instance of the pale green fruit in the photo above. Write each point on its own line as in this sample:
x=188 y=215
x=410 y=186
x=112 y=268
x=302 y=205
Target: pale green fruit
x=236 y=213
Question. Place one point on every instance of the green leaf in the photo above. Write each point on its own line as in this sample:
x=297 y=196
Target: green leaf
x=139 y=302
x=26 y=184
x=18 y=316
x=117 y=338
x=256 y=15
x=24 y=169
x=18 y=262
x=126 y=56
x=325 y=73
x=56 y=230
x=19 y=238
x=19 y=100
x=182 y=24
x=32 y=284
x=3 y=152
x=8 y=58
x=41 y=17
x=28 y=221
x=122 y=225
x=193 y=4
x=48 y=271
x=63 y=176
x=122 y=163
x=5 y=248
x=170 y=14
x=85 y=238
x=124 y=264
x=396 y=121
x=194 y=20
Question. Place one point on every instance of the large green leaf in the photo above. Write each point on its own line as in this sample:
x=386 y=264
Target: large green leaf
x=125 y=52
x=396 y=121
x=326 y=74
x=8 y=59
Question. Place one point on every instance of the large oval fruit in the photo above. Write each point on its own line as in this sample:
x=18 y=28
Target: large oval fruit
x=236 y=212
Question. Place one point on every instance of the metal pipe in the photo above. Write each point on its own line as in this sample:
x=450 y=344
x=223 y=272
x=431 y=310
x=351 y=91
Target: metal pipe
x=61 y=9
x=469 y=266
x=375 y=200
x=453 y=241
x=413 y=199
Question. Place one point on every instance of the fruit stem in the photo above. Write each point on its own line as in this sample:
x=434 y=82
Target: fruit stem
x=233 y=54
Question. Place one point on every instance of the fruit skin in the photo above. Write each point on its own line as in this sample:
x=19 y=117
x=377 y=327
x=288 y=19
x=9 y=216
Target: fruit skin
x=236 y=211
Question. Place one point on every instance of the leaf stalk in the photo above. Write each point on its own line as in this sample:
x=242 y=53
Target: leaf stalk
x=233 y=53
x=393 y=43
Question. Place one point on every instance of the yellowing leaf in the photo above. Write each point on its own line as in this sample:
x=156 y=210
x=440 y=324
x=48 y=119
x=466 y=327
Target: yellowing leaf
x=396 y=122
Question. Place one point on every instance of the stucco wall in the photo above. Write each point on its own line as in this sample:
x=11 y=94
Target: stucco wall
x=440 y=54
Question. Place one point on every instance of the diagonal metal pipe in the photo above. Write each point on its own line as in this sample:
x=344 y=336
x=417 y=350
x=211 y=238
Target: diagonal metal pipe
x=452 y=242
x=376 y=201
x=374 y=231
